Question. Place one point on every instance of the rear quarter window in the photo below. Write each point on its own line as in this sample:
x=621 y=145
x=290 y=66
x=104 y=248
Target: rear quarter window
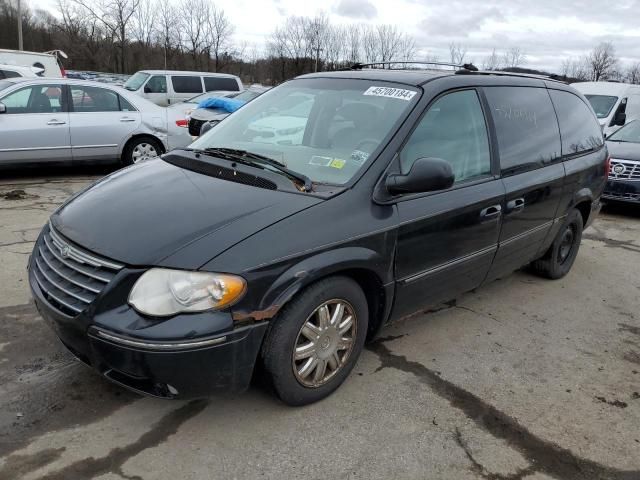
x=526 y=127
x=186 y=84
x=220 y=83
x=579 y=127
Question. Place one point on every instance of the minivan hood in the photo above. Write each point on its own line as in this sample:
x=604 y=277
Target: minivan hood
x=624 y=150
x=155 y=213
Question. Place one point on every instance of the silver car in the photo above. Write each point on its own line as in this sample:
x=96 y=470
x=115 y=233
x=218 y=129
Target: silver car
x=57 y=119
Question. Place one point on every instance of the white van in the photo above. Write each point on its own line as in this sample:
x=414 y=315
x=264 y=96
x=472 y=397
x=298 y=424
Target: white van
x=14 y=71
x=614 y=103
x=165 y=87
x=45 y=61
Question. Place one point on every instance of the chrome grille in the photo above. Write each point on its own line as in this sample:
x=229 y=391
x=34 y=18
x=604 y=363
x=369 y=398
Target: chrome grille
x=624 y=170
x=69 y=277
x=621 y=196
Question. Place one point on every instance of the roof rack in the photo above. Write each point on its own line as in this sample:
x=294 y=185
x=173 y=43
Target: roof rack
x=555 y=78
x=467 y=66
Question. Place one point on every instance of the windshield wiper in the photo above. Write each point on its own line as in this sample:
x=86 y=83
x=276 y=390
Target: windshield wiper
x=257 y=160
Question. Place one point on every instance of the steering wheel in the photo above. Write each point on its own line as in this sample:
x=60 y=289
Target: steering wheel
x=367 y=141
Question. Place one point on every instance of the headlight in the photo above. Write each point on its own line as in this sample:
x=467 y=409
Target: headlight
x=161 y=292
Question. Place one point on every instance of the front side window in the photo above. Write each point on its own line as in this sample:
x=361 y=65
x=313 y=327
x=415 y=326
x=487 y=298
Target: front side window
x=184 y=84
x=579 y=128
x=35 y=99
x=9 y=74
x=453 y=129
x=526 y=127
x=136 y=81
x=602 y=104
x=326 y=129
x=156 y=84
x=94 y=99
x=220 y=83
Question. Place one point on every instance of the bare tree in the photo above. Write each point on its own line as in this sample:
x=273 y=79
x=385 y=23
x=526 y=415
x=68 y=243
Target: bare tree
x=407 y=48
x=457 y=53
x=633 y=73
x=602 y=61
x=193 y=14
x=115 y=15
x=353 y=41
x=317 y=33
x=492 y=62
x=335 y=46
x=575 y=68
x=369 y=44
x=389 y=42
x=166 y=28
x=514 y=57
x=220 y=35
x=143 y=22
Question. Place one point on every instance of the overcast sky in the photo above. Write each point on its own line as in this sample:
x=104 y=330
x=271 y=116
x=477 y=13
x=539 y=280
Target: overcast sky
x=546 y=30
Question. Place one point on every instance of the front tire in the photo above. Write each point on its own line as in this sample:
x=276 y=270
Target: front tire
x=140 y=149
x=558 y=260
x=315 y=341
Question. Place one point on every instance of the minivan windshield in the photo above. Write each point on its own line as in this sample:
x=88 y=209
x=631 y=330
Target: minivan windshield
x=136 y=81
x=323 y=128
x=602 y=104
x=629 y=133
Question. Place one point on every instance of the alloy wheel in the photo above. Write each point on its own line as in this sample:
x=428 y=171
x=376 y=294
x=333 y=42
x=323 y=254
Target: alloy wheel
x=324 y=343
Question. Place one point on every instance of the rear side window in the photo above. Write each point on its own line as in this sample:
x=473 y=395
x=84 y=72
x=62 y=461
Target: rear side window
x=94 y=99
x=220 y=83
x=526 y=127
x=184 y=84
x=578 y=126
x=454 y=130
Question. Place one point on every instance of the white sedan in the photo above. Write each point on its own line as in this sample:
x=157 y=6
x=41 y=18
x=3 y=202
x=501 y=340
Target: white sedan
x=58 y=119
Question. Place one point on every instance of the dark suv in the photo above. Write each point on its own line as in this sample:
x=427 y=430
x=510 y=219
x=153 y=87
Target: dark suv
x=327 y=207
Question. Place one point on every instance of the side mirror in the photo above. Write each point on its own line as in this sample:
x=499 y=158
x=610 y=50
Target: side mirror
x=620 y=119
x=147 y=89
x=3 y=108
x=426 y=175
x=208 y=126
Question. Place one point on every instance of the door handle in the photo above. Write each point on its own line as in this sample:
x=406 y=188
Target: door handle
x=493 y=211
x=516 y=205
x=127 y=119
x=56 y=122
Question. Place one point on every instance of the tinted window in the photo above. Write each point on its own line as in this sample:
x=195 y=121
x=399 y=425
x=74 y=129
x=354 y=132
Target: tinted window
x=157 y=84
x=186 y=84
x=94 y=99
x=526 y=127
x=454 y=130
x=35 y=99
x=220 y=83
x=579 y=128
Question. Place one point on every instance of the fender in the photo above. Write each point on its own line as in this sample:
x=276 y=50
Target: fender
x=313 y=268
x=582 y=195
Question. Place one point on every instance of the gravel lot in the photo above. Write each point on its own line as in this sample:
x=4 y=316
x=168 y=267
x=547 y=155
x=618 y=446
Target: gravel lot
x=524 y=378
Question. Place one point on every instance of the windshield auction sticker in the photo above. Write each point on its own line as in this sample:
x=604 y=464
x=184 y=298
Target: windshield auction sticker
x=389 y=92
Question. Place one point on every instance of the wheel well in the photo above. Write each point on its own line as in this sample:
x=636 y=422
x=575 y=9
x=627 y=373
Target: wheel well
x=143 y=135
x=373 y=289
x=584 y=208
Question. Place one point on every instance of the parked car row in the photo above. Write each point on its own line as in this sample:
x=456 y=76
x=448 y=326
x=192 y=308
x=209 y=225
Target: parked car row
x=326 y=207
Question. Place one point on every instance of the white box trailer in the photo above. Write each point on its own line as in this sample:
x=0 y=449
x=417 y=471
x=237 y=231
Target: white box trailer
x=47 y=61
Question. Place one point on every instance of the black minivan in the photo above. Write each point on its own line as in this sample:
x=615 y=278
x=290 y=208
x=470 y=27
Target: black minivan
x=291 y=232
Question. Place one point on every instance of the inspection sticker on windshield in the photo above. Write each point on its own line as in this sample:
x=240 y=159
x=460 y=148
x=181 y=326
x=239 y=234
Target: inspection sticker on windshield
x=389 y=92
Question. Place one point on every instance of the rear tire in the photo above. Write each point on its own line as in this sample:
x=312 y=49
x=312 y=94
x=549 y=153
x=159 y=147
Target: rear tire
x=140 y=149
x=558 y=260
x=312 y=346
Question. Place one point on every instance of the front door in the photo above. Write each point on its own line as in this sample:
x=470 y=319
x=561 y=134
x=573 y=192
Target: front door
x=101 y=121
x=532 y=170
x=447 y=240
x=35 y=126
x=155 y=90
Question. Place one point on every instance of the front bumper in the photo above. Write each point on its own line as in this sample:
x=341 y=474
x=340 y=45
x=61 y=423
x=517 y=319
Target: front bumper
x=622 y=191
x=183 y=367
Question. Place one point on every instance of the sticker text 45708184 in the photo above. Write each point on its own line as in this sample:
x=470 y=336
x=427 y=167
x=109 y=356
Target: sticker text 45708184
x=401 y=93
